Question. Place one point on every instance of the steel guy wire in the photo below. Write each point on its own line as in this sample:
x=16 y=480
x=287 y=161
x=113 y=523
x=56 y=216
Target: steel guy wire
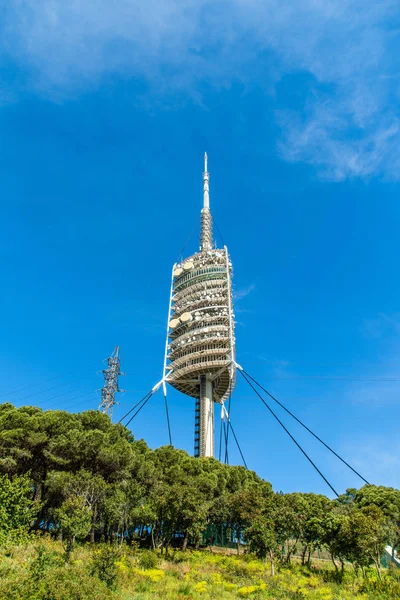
x=305 y=427
x=289 y=434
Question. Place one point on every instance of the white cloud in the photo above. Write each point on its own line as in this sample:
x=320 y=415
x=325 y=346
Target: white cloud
x=381 y=326
x=348 y=126
x=326 y=139
x=375 y=396
x=243 y=292
x=71 y=44
x=375 y=458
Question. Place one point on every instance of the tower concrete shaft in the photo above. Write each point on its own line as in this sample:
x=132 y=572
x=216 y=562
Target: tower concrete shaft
x=206 y=437
x=200 y=350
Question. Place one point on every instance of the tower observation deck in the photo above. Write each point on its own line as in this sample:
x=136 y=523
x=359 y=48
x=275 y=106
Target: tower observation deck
x=200 y=352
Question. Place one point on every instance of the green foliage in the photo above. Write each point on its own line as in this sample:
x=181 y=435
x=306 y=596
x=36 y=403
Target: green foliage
x=263 y=538
x=103 y=563
x=179 y=557
x=148 y=559
x=387 y=499
x=16 y=506
x=42 y=562
x=185 y=589
x=74 y=520
x=36 y=571
x=79 y=477
x=387 y=587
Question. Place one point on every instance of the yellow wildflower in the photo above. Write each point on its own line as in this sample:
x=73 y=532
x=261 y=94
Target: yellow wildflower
x=152 y=574
x=313 y=581
x=247 y=590
x=324 y=593
x=200 y=587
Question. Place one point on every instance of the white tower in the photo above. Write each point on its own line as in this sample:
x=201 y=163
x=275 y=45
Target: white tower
x=200 y=353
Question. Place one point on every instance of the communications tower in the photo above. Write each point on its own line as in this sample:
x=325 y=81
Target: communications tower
x=200 y=349
x=111 y=386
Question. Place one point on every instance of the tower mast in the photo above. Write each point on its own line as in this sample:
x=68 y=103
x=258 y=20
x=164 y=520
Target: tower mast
x=204 y=409
x=200 y=348
x=111 y=387
x=206 y=219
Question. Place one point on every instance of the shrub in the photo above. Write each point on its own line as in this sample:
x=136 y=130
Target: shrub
x=57 y=583
x=148 y=559
x=247 y=590
x=185 y=589
x=389 y=586
x=43 y=561
x=104 y=563
x=74 y=583
x=16 y=508
x=179 y=557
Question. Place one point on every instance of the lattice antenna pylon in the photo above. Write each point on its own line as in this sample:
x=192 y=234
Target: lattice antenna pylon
x=111 y=387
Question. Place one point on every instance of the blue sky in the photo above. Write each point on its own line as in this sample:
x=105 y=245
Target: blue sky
x=106 y=110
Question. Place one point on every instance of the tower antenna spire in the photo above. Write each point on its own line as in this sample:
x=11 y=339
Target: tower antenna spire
x=206 y=197
x=206 y=241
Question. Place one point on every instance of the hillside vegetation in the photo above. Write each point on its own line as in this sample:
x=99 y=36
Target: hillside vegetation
x=81 y=500
x=37 y=571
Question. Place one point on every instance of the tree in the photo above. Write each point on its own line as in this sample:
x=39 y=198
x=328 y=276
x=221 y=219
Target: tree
x=289 y=514
x=385 y=498
x=263 y=540
x=335 y=537
x=83 y=484
x=314 y=510
x=243 y=507
x=74 y=521
x=368 y=531
x=182 y=497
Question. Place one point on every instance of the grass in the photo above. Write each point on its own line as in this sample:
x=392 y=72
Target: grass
x=37 y=571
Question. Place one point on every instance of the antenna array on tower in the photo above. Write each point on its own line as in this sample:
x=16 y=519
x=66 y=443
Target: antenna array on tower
x=200 y=350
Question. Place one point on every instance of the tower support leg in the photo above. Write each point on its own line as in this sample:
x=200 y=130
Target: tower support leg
x=206 y=417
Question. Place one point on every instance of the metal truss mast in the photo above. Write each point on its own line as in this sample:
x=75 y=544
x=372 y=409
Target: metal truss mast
x=111 y=387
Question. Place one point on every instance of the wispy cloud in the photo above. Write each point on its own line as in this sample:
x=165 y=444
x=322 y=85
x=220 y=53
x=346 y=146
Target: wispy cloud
x=278 y=363
x=381 y=385
x=348 y=124
x=376 y=395
x=243 y=292
x=381 y=325
x=375 y=458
